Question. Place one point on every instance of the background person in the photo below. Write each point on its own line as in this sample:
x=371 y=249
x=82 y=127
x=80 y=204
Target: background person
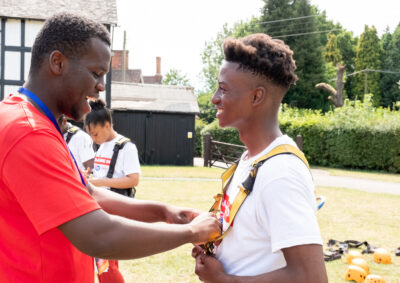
x=79 y=142
x=126 y=171
x=274 y=236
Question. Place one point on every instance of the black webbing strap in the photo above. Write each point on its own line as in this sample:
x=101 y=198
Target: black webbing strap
x=337 y=248
x=130 y=192
x=71 y=131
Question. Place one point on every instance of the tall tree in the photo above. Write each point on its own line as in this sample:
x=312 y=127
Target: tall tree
x=212 y=57
x=174 y=77
x=300 y=35
x=347 y=44
x=368 y=56
x=391 y=62
x=331 y=51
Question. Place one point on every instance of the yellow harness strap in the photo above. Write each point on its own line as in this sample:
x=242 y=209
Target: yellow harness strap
x=247 y=186
x=123 y=140
x=73 y=130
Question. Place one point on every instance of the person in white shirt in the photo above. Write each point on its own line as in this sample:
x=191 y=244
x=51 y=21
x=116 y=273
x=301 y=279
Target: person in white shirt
x=127 y=168
x=274 y=236
x=80 y=144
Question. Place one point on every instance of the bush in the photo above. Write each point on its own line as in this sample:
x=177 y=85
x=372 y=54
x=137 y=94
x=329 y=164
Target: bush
x=229 y=135
x=356 y=135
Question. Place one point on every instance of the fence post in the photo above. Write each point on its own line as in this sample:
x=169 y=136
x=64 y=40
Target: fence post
x=207 y=150
x=299 y=142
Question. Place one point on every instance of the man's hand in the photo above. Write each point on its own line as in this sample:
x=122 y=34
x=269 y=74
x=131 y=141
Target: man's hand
x=179 y=215
x=205 y=227
x=208 y=268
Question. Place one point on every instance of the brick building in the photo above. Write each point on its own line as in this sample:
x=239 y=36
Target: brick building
x=132 y=75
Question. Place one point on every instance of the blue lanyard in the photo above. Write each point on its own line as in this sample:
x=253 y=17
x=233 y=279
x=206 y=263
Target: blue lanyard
x=51 y=117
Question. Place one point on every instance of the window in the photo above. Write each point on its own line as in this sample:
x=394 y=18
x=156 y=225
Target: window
x=12 y=65
x=32 y=28
x=13 y=32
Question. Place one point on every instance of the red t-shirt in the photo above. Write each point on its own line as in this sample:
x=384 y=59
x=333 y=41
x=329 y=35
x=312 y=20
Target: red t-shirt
x=40 y=189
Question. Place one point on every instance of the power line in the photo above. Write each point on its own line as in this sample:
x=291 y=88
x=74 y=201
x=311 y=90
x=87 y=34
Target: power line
x=284 y=20
x=369 y=70
x=286 y=28
x=313 y=32
x=304 y=30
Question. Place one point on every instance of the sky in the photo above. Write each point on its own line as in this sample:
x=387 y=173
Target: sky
x=177 y=30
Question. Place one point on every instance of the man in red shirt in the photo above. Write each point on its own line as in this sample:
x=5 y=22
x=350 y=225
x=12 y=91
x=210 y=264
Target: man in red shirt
x=52 y=221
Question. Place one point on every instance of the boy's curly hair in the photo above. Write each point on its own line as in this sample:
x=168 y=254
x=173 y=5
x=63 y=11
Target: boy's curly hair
x=67 y=33
x=263 y=56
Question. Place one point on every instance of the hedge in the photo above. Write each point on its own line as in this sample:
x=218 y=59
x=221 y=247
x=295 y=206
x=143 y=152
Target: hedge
x=356 y=135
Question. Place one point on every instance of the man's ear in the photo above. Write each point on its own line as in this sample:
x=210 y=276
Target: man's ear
x=57 y=62
x=259 y=95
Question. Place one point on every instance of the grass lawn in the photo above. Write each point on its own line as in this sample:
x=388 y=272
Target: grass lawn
x=347 y=215
x=182 y=172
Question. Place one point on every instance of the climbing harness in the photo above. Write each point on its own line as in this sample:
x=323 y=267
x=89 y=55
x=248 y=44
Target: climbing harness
x=337 y=248
x=247 y=186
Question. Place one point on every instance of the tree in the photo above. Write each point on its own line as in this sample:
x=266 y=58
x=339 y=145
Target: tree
x=331 y=51
x=212 y=57
x=347 y=44
x=307 y=48
x=368 y=57
x=336 y=95
x=207 y=109
x=174 y=77
x=391 y=62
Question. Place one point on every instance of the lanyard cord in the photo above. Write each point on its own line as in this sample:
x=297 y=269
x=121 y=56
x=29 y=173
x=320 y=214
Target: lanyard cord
x=51 y=117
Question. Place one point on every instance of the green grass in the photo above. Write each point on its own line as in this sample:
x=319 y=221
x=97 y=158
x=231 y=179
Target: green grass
x=372 y=175
x=354 y=215
x=347 y=214
x=180 y=171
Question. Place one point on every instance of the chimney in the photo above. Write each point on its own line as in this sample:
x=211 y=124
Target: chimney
x=158 y=66
x=117 y=59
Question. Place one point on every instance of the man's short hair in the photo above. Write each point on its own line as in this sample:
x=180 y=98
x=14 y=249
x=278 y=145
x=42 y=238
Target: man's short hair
x=263 y=56
x=68 y=34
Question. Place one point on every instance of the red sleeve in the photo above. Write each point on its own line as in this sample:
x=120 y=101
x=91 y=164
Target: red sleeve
x=41 y=174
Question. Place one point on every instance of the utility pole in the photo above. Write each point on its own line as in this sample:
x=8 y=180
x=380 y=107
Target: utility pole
x=124 y=59
x=366 y=81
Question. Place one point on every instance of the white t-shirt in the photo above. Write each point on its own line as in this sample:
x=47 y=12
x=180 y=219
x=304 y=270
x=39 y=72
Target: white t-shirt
x=127 y=161
x=279 y=213
x=80 y=145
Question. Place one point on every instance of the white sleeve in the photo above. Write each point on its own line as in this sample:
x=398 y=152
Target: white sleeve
x=288 y=203
x=130 y=159
x=86 y=150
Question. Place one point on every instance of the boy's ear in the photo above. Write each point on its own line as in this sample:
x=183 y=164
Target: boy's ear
x=259 y=95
